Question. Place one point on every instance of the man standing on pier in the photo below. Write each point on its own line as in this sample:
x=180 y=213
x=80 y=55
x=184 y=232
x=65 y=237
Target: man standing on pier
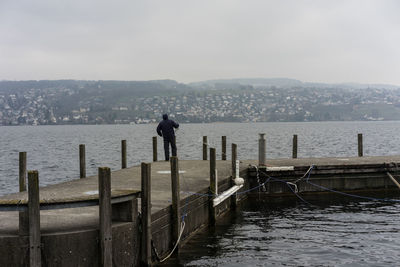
x=166 y=130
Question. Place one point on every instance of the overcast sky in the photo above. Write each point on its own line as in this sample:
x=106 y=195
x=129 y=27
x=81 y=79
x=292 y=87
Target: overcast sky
x=193 y=40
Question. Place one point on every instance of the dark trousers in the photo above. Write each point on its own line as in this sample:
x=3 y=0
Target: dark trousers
x=167 y=142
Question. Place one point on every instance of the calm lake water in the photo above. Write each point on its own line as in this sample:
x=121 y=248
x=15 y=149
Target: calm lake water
x=329 y=234
x=54 y=150
x=334 y=234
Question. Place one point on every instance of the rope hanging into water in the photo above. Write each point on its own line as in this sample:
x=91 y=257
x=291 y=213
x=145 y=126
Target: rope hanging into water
x=177 y=242
x=182 y=228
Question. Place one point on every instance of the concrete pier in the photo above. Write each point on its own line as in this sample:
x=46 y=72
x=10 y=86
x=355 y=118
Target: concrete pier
x=191 y=175
x=74 y=228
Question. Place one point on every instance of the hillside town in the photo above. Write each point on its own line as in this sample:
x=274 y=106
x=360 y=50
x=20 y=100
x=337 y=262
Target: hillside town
x=50 y=106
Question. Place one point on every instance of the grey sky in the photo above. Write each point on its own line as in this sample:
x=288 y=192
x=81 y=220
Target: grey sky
x=185 y=40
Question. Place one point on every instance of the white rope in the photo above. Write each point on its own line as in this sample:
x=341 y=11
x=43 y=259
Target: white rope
x=177 y=242
x=311 y=167
x=258 y=180
x=296 y=190
x=294 y=184
x=182 y=228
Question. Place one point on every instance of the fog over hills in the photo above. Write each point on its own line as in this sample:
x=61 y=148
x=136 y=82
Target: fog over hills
x=287 y=83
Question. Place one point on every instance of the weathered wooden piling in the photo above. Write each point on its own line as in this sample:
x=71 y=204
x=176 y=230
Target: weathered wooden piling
x=22 y=171
x=176 y=215
x=155 y=149
x=360 y=144
x=223 y=154
x=261 y=150
x=82 y=161
x=294 y=152
x=23 y=228
x=146 y=214
x=213 y=184
x=105 y=214
x=205 y=144
x=123 y=154
x=234 y=158
x=234 y=174
x=34 y=219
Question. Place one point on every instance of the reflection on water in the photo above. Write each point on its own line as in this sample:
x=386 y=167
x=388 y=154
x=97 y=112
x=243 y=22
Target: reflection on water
x=262 y=234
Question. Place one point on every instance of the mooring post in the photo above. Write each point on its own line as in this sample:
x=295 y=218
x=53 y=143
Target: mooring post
x=360 y=145
x=123 y=154
x=146 y=214
x=213 y=184
x=23 y=228
x=105 y=214
x=261 y=150
x=223 y=155
x=294 y=154
x=234 y=158
x=34 y=219
x=205 y=144
x=22 y=171
x=176 y=214
x=234 y=174
x=82 y=161
x=154 y=148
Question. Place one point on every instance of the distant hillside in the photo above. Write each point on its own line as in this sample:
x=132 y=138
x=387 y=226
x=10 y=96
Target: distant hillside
x=236 y=100
x=132 y=86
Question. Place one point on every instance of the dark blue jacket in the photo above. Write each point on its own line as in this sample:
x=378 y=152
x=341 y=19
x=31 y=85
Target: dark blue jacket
x=166 y=128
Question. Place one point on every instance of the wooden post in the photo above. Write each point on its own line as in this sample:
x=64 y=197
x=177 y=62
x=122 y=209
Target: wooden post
x=223 y=155
x=123 y=154
x=154 y=148
x=22 y=171
x=176 y=214
x=23 y=228
x=213 y=184
x=34 y=219
x=294 y=154
x=146 y=214
x=360 y=145
x=234 y=158
x=205 y=144
x=82 y=161
x=261 y=150
x=234 y=175
x=105 y=214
